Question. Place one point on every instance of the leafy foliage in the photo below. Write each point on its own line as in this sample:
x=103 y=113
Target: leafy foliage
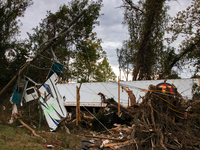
x=79 y=50
x=126 y=58
x=12 y=52
x=147 y=53
x=104 y=71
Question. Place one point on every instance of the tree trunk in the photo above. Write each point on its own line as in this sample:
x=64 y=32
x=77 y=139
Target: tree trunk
x=152 y=7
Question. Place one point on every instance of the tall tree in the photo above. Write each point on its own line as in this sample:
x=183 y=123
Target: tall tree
x=54 y=23
x=146 y=23
x=103 y=72
x=85 y=61
x=80 y=50
x=12 y=52
x=125 y=58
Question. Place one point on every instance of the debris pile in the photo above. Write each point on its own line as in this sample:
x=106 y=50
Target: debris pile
x=164 y=120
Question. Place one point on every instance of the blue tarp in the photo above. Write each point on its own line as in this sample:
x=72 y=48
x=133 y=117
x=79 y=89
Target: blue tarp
x=18 y=93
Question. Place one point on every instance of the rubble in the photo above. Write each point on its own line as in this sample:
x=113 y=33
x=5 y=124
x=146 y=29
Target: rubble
x=164 y=120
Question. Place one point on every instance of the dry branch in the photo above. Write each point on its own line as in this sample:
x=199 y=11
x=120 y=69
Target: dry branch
x=116 y=139
x=33 y=131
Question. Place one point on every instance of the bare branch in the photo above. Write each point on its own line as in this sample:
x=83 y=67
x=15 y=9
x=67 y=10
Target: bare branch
x=134 y=7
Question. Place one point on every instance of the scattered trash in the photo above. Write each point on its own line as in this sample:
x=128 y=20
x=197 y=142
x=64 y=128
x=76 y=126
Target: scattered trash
x=3 y=108
x=14 y=112
x=104 y=142
x=86 y=144
x=50 y=146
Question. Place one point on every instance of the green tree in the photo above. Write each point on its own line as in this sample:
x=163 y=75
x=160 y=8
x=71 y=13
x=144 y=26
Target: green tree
x=125 y=58
x=104 y=72
x=13 y=53
x=79 y=50
x=85 y=61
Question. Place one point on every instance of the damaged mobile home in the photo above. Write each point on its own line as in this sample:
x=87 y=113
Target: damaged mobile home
x=49 y=97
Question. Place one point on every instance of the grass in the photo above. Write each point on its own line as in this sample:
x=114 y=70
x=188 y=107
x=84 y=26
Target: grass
x=13 y=137
x=16 y=138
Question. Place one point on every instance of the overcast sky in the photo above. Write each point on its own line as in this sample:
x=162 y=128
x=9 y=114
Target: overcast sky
x=111 y=30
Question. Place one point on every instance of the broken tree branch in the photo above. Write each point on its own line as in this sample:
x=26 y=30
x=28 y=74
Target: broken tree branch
x=33 y=131
x=116 y=139
x=122 y=143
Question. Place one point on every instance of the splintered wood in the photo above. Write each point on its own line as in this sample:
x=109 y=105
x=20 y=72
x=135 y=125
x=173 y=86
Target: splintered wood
x=161 y=121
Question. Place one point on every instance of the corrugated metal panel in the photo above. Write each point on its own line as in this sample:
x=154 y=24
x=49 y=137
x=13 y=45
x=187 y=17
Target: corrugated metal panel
x=89 y=91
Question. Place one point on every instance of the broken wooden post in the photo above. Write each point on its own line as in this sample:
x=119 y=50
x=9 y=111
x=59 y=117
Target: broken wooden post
x=118 y=97
x=78 y=118
x=103 y=137
x=33 y=131
x=131 y=96
x=77 y=104
x=199 y=82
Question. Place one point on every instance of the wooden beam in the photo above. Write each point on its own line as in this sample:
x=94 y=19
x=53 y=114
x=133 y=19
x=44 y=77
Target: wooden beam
x=77 y=105
x=199 y=82
x=103 y=137
x=78 y=118
x=118 y=97
x=121 y=143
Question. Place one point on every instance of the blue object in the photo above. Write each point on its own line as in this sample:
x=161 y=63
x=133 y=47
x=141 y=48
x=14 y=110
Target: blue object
x=47 y=87
x=57 y=68
x=18 y=93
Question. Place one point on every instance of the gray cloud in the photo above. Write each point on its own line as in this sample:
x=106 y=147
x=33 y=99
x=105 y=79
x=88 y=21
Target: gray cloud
x=111 y=30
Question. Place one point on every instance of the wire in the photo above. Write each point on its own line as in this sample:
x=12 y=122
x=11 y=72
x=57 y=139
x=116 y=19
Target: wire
x=39 y=67
x=70 y=91
x=82 y=90
x=91 y=90
x=51 y=61
x=108 y=101
x=45 y=57
x=111 y=93
x=92 y=114
x=97 y=120
x=152 y=91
